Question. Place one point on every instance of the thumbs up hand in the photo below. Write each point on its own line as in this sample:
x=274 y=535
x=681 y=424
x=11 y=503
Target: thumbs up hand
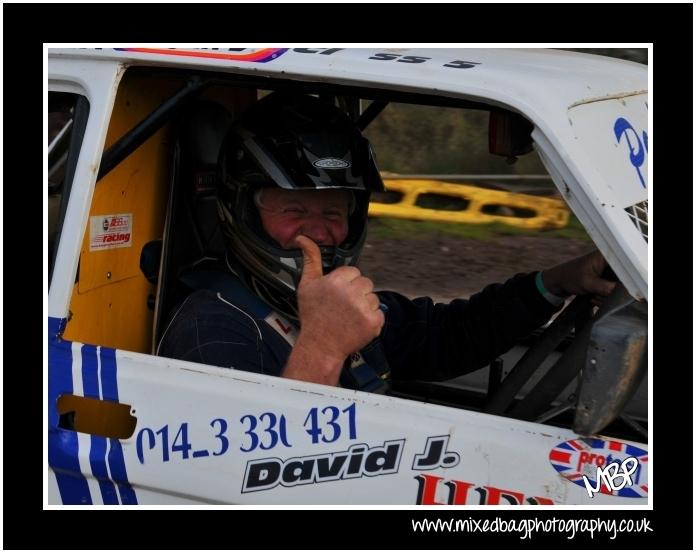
x=339 y=315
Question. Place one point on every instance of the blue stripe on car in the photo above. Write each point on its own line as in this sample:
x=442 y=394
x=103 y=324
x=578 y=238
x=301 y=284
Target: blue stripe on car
x=62 y=444
x=97 y=451
x=117 y=464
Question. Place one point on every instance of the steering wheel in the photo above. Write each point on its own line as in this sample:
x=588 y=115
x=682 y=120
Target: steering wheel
x=574 y=315
x=609 y=348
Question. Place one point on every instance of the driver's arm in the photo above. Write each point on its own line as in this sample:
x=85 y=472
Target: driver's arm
x=427 y=341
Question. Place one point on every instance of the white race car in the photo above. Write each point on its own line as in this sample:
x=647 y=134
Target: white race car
x=130 y=203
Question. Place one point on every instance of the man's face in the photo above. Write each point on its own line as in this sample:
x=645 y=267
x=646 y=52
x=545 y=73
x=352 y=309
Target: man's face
x=321 y=215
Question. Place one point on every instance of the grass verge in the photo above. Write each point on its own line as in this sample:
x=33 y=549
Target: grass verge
x=387 y=227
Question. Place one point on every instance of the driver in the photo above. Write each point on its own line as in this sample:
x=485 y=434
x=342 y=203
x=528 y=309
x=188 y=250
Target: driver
x=294 y=183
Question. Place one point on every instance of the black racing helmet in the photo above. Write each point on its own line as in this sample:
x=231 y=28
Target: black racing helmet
x=292 y=141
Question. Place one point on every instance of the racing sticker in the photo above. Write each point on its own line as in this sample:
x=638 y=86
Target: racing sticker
x=257 y=55
x=603 y=466
x=107 y=232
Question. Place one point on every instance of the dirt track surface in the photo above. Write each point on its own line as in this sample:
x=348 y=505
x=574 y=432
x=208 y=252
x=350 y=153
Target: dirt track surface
x=446 y=267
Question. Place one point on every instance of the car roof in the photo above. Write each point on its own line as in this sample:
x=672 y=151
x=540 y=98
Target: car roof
x=528 y=79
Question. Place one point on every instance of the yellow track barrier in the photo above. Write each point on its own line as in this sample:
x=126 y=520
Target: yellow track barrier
x=475 y=205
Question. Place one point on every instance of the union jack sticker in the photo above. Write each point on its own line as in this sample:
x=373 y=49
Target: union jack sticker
x=574 y=459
